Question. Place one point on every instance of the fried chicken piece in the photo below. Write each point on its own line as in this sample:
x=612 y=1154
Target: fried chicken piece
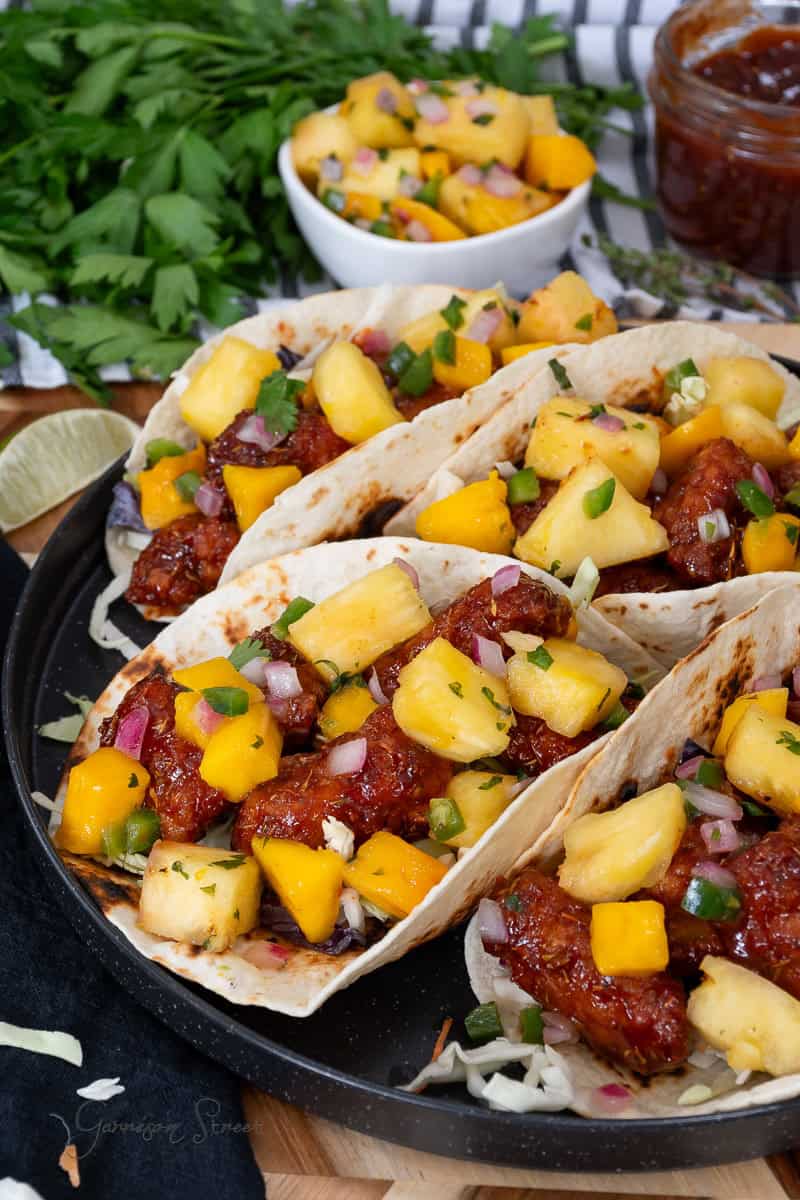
x=182 y=561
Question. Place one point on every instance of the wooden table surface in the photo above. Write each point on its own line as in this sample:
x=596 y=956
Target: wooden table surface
x=306 y=1158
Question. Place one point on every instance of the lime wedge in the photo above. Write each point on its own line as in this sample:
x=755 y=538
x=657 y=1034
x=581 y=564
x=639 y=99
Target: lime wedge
x=54 y=457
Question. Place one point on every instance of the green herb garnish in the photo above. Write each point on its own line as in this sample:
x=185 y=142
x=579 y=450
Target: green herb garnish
x=560 y=375
x=790 y=741
x=453 y=312
x=753 y=499
x=159 y=448
x=444 y=346
x=418 y=377
x=246 y=651
x=400 y=359
x=599 y=500
x=489 y=694
x=540 y=657
x=457 y=689
x=585 y=322
x=229 y=864
x=490 y=783
x=187 y=484
x=277 y=402
x=523 y=487
x=294 y=610
x=445 y=819
x=227 y=701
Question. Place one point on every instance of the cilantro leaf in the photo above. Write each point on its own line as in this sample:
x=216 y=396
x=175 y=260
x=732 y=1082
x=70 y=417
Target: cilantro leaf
x=276 y=402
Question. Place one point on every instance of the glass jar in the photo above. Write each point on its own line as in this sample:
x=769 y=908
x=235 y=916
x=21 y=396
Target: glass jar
x=728 y=165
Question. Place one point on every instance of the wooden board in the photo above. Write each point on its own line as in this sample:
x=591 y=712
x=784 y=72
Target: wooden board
x=306 y=1158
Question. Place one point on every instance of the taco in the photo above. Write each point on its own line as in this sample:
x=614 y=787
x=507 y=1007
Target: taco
x=668 y=455
x=313 y=772
x=292 y=427
x=661 y=955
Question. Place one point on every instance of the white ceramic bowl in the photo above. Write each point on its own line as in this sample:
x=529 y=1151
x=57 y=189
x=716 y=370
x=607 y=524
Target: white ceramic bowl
x=523 y=256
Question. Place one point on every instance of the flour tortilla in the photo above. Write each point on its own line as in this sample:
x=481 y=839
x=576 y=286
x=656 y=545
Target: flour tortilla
x=624 y=370
x=331 y=503
x=223 y=618
x=688 y=703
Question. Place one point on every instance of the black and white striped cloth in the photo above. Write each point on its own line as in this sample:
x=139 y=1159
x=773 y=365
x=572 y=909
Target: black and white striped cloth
x=613 y=43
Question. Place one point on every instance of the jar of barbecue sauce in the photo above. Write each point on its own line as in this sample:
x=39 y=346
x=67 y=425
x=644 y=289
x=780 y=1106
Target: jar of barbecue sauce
x=726 y=88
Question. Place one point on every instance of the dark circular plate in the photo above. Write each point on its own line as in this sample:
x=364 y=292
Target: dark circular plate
x=346 y=1061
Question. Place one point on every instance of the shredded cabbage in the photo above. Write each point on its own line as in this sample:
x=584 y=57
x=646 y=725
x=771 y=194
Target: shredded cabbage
x=42 y=1041
x=101 y=629
x=66 y=729
x=338 y=837
x=546 y=1086
x=584 y=584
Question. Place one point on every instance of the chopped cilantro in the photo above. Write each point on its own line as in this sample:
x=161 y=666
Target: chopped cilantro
x=277 y=402
x=754 y=500
x=228 y=864
x=675 y=377
x=210 y=890
x=177 y=867
x=133 y=780
x=585 y=322
x=561 y=377
x=453 y=312
x=227 y=701
x=791 y=532
x=257 y=744
x=294 y=610
x=513 y=902
x=541 y=658
x=490 y=783
x=246 y=651
x=457 y=689
x=483 y=119
x=489 y=694
x=790 y=741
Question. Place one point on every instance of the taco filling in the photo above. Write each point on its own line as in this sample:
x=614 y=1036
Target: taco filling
x=694 y=487
x=357 y=746
x=670 y=933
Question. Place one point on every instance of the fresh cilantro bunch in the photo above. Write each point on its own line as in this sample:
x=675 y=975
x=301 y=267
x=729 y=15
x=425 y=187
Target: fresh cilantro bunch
x=138 y=143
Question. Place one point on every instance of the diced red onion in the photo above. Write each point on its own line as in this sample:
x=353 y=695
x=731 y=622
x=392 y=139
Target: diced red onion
x=659 y=483
x=417 y=231
x=487 y=654
x=417 y=86
x=374 y=343
x=505 y=578
x=432 y=108
x=720 y=837
x=505 y=469
x=713 y=804
x=409 y=185
x=796 y=681
x=331 y=168
x=205 y=717
x=558 y=1029
x=484 y=324
x=254 y=432
x=264 y=954
x=470 y=174
x=253 y=671
x=613 y=1097
x=498 y=182
x=480 y=108
x=363 y=223
x=409 y=570
x=208 y=500
x=467 y=87
x=364 y=160
x=347 y=758
x=713 y=527
x=282 y=680
x=609 y=422
x=761 y=478
x=715 y=874
x=491 y=922
x=764 y=682
x=688 y=769
x=131 y=731
x=386 y=101
x=280 y=708
x=375 y=689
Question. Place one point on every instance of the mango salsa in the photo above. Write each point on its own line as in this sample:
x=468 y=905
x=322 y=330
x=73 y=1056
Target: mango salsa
x=102 y=791
x=253 y=489
x=477 y=516
x=629 y=938
x=224 y=385
x=392 y=874
x=243 y=752
x=159 y=498
x=307 y=882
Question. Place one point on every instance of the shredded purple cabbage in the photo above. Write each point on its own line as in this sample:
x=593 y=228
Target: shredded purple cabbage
x=288 y=358
x=125 y=510
x=691 y=750
x=277 y=919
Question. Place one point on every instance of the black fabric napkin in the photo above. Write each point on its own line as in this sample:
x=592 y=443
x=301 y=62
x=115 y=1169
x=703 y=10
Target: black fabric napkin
x=177 y=1129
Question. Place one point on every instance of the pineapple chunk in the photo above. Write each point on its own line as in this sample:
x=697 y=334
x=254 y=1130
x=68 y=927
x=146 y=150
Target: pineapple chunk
x=253 y=489
x=224 y=385
x=629 y=939
x=763 y=759
x=469 y=140
x=102 y=790
x=243 y=752
x=754 y=1022
x=744 y=380
x=454 y=707
x=564 y=532
x=565 y=435
x=321 y=135
x=566 y=310
x=772 y=700
x=476 y=516
x=392 y=874
x=569 y=687
x=307 y=882
x=346 y=710
x=541 y=114
x=352 y=393
x=199 y=894
x=611 y=855
x=383 y=178
x=372 y=125
x=419 y=334
x=481 y=797
x=350 y=629
x=756 y=434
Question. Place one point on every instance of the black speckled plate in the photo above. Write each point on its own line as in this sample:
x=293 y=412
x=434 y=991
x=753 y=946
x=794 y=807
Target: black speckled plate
x=343 y=1063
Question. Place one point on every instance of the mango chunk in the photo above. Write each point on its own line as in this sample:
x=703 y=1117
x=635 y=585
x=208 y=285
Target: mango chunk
x=435 y=162
x=757 y=435
x=350 y=629
x=629 y=939
x=754 y=1022
x=770 y=544
x=307 y=882
x=559 y=161
x=472 y=366
x=440 y=227
x=392 y=874
x=187 y=725
x=352 y=393
x=199 y=894
x=771 y=700
x=474 y=208
x=762 y=759
x=159 y=498
x=243 y=752
x=102 y=791
x=570 y=687
x=566 y=531
x=611 y=855
x=216 y=672
x=744 y=380
x=565 y=310
x=476 y=516
x=454 y=707
x=686 y=439
x=512 y=353
x=346 y=710
x=481 y=797
x=565 y=434
x=253 y=489
x=227 y=383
